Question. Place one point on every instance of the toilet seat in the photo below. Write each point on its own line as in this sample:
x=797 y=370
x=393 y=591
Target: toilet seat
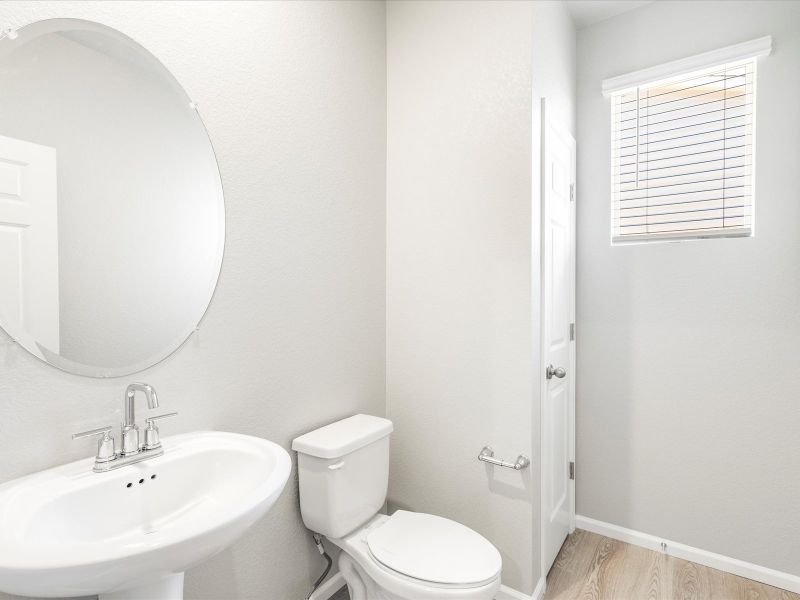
x=434 y=550
x=384 y=582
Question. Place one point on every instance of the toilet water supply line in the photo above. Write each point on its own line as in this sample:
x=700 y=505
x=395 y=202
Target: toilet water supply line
x=318 y=543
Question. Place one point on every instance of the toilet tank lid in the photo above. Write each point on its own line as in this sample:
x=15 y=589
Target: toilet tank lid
x=342 y=437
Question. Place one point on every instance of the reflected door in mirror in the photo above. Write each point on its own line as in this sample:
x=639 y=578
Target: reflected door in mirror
x=29 y=238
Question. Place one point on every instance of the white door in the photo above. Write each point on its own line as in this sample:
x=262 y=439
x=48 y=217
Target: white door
x=29 y=299
x=558 y=355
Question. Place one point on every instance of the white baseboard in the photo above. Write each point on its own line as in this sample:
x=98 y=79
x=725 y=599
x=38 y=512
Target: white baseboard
x=329 y=588
x=507 y=593
x=772 y=577
x=541 y=588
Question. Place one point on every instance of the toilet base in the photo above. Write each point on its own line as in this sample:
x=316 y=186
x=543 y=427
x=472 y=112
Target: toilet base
x=356 y=582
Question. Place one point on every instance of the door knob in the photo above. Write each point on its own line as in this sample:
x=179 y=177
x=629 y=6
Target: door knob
x=557 y=371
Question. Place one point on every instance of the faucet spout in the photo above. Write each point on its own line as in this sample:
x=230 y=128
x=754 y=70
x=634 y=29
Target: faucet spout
x=130 y=394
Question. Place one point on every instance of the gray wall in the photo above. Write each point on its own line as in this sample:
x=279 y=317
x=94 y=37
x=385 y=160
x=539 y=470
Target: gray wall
x=687 y=398
x=294 y=98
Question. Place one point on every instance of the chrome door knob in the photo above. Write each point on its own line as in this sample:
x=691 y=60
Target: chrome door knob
x=557 y=371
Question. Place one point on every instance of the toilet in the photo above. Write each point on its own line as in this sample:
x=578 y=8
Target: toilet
x=344 y=475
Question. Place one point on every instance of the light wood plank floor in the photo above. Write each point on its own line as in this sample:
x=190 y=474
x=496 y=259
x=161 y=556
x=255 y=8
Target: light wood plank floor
x=593 y=567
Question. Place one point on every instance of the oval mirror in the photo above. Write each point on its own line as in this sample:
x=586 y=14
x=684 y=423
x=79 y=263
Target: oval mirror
x=112 y=220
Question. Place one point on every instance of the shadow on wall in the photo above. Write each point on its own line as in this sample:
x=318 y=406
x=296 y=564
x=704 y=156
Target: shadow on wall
x=508 y=490
x=511 y=568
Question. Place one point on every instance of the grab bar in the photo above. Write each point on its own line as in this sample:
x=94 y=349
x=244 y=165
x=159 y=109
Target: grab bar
x=487 y=455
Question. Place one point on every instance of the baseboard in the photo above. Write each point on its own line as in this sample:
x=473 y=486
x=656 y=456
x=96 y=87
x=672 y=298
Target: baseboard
x=738 y=567
x=329 y=588
x=507 y=593
x=541 y=588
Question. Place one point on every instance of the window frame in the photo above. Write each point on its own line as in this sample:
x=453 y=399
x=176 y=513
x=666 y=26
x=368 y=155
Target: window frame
x=728 y=57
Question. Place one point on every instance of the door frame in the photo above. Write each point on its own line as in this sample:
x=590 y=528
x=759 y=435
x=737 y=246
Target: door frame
x=548 y=121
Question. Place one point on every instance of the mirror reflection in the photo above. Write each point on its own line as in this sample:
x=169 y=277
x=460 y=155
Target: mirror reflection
x=111 y=209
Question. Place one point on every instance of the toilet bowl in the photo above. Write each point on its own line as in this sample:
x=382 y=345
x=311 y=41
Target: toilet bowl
x=418 y=556
x=344 y=472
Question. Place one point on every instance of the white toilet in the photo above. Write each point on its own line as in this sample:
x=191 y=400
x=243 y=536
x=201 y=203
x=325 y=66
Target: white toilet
x=344 y=475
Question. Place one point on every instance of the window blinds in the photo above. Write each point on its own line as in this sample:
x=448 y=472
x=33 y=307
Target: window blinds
x=682 y=155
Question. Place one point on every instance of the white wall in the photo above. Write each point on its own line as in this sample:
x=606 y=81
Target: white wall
x=462 y=310
x=293 y=95
x=687 y=352
x=554 y=66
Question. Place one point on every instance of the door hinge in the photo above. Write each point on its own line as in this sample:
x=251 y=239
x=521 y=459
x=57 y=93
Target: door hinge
x=572 y=192
x=571 y=332
x=572 y=471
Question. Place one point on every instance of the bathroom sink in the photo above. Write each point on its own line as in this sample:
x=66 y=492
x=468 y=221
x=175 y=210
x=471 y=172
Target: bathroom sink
x=132 y=532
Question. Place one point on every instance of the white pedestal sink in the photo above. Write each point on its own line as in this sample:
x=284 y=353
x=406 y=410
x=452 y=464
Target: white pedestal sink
x=130 y=534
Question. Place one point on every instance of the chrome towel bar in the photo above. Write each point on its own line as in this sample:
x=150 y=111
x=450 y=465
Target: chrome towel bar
x=487 y=455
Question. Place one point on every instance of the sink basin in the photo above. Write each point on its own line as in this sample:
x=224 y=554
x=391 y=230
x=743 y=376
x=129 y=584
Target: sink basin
x=132 y=532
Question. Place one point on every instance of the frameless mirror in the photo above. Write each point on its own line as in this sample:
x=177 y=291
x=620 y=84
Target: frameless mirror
x=112 y=219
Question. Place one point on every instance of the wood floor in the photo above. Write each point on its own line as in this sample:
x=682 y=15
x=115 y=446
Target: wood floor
x=593 y=567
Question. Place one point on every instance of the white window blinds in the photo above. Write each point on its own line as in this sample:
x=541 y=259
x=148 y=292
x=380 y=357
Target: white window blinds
x=682 y=155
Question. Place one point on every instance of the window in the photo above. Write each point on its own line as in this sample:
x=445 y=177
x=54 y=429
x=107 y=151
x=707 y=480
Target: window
x=682 y=150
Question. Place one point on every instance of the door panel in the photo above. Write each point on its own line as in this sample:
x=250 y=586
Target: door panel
x=558 y=262
x=11 y=269
x=29 y=240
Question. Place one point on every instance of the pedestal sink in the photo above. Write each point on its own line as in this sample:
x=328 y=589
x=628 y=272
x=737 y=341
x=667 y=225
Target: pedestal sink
x=131 y=533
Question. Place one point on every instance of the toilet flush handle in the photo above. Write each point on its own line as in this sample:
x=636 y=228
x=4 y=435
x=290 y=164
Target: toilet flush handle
x=336 y=466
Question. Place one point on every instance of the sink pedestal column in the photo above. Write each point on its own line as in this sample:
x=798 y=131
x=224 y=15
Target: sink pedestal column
x=170 y=588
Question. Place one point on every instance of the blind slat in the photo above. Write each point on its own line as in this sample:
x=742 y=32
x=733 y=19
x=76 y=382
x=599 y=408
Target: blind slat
x=724 y=119
x=726 y=95
x=729 y=129
x=682 y=156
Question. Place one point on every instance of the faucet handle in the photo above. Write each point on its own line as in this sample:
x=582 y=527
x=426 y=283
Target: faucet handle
x=150 y=420
x=151 y=437
x=91 y=432
x=105 y=445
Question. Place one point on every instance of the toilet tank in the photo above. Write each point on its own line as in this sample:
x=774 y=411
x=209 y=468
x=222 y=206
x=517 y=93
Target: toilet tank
x=344 y=473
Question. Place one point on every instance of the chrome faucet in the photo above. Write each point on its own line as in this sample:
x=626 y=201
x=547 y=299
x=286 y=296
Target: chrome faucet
x=130 y=432
x=107 y=457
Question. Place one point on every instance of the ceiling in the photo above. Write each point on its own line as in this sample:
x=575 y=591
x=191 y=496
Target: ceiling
x=589 y=12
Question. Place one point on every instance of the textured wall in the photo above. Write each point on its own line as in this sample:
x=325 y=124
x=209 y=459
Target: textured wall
x=687 y=352
x=293 y=95
x=459 y=267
